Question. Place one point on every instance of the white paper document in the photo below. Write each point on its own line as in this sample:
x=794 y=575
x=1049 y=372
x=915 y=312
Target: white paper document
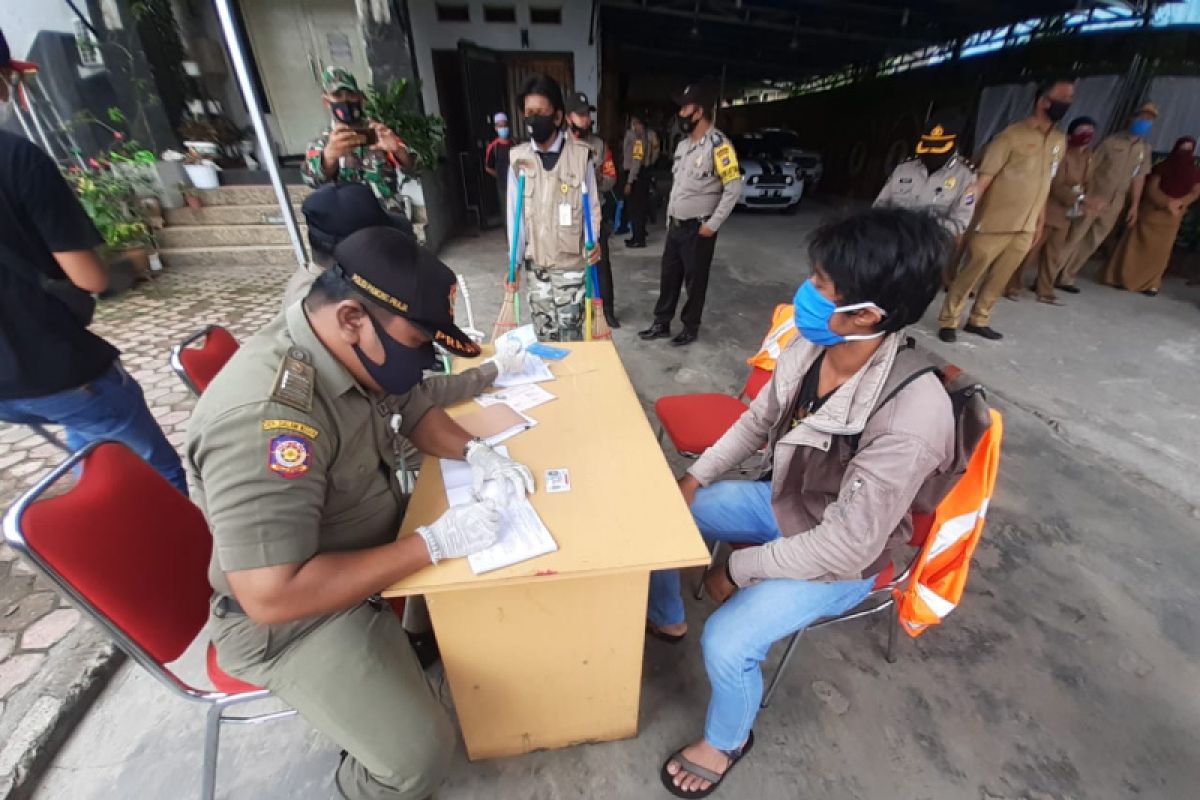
x=519 y=398
x=522 y=534
x=535 y=371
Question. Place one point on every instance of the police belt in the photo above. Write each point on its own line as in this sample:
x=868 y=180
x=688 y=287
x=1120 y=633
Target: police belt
x=692 y=224
x=227 y=605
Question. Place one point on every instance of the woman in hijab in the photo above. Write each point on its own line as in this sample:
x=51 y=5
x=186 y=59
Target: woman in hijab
x=1145 y=250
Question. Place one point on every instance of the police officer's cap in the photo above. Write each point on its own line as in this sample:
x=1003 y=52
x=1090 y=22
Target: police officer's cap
x=337 y=210
x=578 y=103
x=394 y=272
x=703 y=93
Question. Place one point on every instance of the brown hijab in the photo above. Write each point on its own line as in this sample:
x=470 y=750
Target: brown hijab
x=1178 y=174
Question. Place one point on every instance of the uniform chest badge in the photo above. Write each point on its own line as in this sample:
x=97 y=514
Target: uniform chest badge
x=950 y=182
x=699 y=161
x=289 y=455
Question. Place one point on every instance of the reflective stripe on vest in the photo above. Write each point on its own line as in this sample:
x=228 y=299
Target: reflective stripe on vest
x=783 y=330
x=940 y=572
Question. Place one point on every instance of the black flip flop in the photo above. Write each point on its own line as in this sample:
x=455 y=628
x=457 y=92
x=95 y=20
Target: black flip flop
x=668 y=779
x=669 y=638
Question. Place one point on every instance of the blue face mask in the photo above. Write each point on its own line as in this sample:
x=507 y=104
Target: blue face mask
x=813 y=312
x=1141 y=127
x=502 y=132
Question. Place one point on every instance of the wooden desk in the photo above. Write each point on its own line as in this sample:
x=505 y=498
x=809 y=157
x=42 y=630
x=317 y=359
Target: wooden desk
x=548 y=653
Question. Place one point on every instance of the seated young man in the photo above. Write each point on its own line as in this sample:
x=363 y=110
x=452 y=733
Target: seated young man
x=820 y=522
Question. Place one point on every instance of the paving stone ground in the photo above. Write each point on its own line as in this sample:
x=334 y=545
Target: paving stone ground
x=51 y=660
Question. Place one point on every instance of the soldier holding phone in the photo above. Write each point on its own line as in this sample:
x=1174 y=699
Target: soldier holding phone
x=355 y=148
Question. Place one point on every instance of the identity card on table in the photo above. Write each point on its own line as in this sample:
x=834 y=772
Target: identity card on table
x=523 y=535
x=518 y=398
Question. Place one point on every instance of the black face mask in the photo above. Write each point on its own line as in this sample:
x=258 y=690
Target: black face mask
x=688 y=124
x=349 y=112
x=402 y=366
x=1057 y=110
x=935 y=161
x=581 y=132
x=541 y=129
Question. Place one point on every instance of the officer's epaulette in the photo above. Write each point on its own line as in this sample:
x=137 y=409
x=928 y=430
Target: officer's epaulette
x=716 y=137
x=970 y=164
x=295 y=380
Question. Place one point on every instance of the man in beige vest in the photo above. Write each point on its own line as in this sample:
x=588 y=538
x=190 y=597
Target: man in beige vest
x=1014 y=181
x=1119 y=171
x=550 y=242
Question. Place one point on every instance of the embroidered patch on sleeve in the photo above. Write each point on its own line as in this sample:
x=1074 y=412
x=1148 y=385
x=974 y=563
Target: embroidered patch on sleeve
x=289 y=455
x=725 y=161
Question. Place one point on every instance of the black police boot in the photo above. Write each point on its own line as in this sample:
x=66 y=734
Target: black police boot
x=611 y=318
x=685 y=337
x=947 y=334
x=658 y=330
x=634 y=243
x=426 y=647
x=984 y=331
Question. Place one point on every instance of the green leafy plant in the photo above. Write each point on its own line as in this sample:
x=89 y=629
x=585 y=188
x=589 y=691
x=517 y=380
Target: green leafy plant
x=396 y=105
x=111 y=202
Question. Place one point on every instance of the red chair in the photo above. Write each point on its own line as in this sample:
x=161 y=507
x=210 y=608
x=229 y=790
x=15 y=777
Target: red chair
x=694 y=422
x=198 y=358
x=132 y=553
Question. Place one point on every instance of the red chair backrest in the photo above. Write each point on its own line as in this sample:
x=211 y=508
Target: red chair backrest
x=755 y=382
x=132 y=546
x=203 y=363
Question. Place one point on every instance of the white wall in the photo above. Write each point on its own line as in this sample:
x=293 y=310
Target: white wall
x=569 y=37
x=24 y=19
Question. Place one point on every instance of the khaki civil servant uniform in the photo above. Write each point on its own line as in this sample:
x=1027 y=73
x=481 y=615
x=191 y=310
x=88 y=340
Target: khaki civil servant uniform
x=947 y=193
x=1119 y=160
x=1071 y=182
x=1022 y=162
x=290 y=457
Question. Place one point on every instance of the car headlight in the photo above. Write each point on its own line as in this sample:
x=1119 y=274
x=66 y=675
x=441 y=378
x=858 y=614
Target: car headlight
x=789 y=180
x=753 y=180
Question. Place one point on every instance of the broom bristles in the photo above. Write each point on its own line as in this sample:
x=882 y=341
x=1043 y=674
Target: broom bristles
x=507 y=320
x=600 y=329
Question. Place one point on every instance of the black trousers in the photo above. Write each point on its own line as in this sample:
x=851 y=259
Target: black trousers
x=637 y=206
x=604 y=269
x=686 y=259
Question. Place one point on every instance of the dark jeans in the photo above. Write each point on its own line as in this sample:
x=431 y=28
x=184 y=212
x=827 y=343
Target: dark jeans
x=604 y=274
x=686 y=259
x=110 y=407
x=637 y=207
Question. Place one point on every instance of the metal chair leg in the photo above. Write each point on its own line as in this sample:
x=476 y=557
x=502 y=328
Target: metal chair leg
x=212 y=744
x=711 y=560
x=893 y=624
x=783 y=662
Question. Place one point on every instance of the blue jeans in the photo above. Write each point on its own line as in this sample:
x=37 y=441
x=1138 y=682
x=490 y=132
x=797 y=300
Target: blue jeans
x=110 y=407
x=738 y=635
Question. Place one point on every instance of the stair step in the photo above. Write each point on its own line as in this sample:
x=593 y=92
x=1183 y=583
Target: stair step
x=176 y=257
x=249 y=195
x=248 y=214
x=223 y=235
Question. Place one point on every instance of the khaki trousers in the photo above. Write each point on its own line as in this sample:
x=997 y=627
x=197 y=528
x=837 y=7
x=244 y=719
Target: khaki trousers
x=1050 y=260
x=991 y=260
x=1085 y=238
x=356 y=679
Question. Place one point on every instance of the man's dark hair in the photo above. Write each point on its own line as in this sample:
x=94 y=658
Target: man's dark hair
x=1045 y=87
x=1079 y=122
x=892 y=257
x=329 y=287
x=544 y=86
x=321 y=255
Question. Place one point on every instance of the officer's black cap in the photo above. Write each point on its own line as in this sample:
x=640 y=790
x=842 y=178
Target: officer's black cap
x=397 y=274
x=578 y=103
x=337 y=210
x=703 y=93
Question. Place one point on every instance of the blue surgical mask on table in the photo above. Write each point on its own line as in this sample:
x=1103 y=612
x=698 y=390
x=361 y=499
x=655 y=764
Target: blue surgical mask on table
x=813 y=312
x=402 y=367
x=1141 y=127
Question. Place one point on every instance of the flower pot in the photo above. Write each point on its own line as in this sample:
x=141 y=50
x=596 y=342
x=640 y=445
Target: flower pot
x=193 y=201
x=203 y=175
x=138 y=259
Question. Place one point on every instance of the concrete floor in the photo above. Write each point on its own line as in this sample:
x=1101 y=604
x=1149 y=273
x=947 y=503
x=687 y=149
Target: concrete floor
x=1069 y=671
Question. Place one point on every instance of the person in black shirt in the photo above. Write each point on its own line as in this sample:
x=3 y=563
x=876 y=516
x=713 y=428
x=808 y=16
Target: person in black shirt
x=53 y=370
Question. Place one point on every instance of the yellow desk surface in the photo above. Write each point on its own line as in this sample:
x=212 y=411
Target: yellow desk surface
x=624 y=511
x=548 y=653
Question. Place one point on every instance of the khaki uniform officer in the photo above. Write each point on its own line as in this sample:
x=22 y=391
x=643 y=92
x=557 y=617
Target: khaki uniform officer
x=707 y=184
x=937 y=180
x=292 y=451
x=1014 y=181
x=1120 y=166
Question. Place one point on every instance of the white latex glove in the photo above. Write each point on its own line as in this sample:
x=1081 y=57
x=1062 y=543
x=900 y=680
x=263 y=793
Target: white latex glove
x=510 y=358
x=461 y=531
x=488 y=465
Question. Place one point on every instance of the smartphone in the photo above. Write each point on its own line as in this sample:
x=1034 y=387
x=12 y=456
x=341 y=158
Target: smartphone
x=370 y=137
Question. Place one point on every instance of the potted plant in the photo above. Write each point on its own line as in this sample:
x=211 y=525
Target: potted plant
x=110 y=199
x=201 y=170
x=191 y=196
x=396 y=105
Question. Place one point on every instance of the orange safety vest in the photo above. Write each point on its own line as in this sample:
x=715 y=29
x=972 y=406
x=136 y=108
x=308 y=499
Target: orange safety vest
x=783 y=330
x=940 y=572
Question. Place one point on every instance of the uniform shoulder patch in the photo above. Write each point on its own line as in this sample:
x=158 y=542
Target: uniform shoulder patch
x=717 y=138
x=639 y=150
x=295 y=380
x=290 y=425
x=289 y=455
x=725 y=162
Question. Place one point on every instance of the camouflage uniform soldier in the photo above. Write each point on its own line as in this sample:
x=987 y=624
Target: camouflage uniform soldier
x=355 y=149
